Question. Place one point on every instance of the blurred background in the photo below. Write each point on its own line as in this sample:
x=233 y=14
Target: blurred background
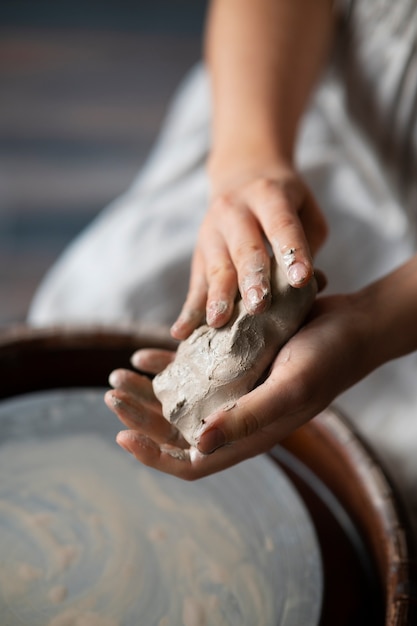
x=84 y=86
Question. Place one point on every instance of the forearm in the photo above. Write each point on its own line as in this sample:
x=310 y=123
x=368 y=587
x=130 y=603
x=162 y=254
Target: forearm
x=390 y=307
x=264 y=58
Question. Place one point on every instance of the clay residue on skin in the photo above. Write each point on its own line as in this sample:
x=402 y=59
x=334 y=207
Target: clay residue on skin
x=90 y=538
x=215 y=367
x=289 y=257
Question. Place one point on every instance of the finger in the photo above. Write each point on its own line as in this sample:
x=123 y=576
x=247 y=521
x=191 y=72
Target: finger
x=142 y=418
x=221 y=279
x=152 y=360
x=276 y=207
x=254 y=277
x=168 y=459
x=193 y=311
x=134 y=383
x=246 y=252
x=188 y=464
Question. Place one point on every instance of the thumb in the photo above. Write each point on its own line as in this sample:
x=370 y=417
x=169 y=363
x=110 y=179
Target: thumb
x=249 y=415
x=275 y=408
x=226 y=426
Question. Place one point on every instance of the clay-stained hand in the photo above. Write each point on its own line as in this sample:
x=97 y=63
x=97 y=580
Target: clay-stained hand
x=327 y=356
x=232 y=252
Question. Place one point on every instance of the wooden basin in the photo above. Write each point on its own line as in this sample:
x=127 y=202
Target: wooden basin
x=368 y=556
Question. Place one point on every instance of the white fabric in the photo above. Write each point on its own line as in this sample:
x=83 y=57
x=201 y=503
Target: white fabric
x=132 y=263
x=378 y=62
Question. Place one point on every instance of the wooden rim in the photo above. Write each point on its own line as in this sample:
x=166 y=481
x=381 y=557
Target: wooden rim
x=335 y=452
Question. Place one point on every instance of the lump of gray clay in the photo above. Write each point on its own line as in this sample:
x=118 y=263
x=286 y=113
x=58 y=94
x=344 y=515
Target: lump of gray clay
x=215 y=367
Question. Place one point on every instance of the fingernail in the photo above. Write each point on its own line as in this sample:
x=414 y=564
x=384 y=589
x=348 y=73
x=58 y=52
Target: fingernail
x=297 y=273
x=114 y=379
x=210 y=440
x=136 y=360
x=124 y=441
x=180 y=322
x=187 y=318
x=254 y=297
x=216 y=310
x=177 y=330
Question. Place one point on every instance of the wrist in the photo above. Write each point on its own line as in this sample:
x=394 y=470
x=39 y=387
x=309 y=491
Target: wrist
x=229 y=168
x=367 y=330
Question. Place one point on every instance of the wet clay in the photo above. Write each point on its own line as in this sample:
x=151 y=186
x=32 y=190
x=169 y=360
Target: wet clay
x=215 y=367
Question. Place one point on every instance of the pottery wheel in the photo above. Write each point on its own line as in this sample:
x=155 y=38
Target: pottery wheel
x=89 y=537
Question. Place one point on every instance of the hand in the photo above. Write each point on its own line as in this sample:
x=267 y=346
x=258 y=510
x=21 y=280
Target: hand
x=328 y=355
x=232 y=250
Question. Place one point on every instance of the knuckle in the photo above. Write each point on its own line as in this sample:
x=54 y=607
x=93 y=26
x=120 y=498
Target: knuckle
x=283 y=222
x=305 y=391
x=286 y=194
x=221 y=269
x=264 y=185
x=223 y=204
x=248 y=249
x=248 y=424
